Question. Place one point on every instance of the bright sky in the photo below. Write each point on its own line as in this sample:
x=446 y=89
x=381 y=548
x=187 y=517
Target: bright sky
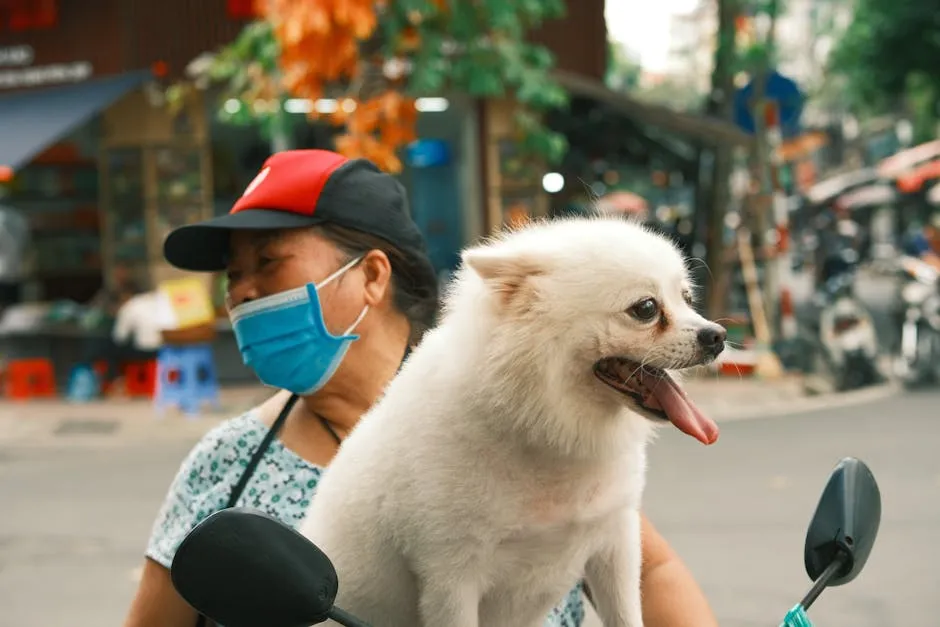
x=644 y=27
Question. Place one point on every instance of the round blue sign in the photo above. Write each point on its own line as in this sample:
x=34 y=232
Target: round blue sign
x=780 y=89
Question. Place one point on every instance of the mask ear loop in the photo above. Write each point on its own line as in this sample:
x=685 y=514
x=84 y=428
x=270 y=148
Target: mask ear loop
x=339 y=272
x=332 y=277
x=355 y=324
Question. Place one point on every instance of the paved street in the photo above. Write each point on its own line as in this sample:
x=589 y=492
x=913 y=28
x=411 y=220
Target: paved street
x=738 y=512
x=76 y=517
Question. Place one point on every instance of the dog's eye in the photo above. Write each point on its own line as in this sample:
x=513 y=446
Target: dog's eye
x=645 y=310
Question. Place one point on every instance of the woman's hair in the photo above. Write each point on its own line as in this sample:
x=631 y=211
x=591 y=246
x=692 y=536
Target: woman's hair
x=414 y=284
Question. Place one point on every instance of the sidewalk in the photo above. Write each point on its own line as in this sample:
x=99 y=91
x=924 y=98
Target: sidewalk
x=115 y=421
x=727 y=399
x=118 y=422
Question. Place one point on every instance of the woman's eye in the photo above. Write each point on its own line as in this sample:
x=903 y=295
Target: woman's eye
x=645 y=310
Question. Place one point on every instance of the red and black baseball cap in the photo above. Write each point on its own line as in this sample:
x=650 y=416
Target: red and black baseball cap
x=299 y=188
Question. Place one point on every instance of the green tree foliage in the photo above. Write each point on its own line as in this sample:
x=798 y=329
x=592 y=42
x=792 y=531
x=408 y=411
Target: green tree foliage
x=889 y=58
x=477 y=47
x=623 y=68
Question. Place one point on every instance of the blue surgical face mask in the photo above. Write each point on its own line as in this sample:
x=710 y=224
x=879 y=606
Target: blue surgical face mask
x=284 y=340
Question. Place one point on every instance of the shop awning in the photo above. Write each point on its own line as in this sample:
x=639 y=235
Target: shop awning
x=868 y=196
x=913 y=180
x=33 y=120
x=896 y=165
x=828 y=189
x=706 y=130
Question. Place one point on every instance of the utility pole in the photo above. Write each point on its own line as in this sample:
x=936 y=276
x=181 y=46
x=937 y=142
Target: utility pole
x=720 y=104
x=763 y=111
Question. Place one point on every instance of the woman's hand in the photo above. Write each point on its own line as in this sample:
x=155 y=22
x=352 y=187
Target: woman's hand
x=671 y=597
x=157 y=603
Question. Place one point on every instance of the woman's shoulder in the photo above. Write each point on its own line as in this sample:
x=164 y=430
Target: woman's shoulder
x=225 y=451
x=281 y=484
x=231 y=444
x=233 y=440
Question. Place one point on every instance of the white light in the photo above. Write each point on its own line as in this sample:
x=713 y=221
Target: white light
x=432 y=105
x=323 y=105
x=326 y=105
x=232 y=106
x=298 y=105
x=553 y=182
x=394 y=69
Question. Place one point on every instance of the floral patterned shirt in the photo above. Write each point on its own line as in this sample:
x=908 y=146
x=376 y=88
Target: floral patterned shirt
x=282 y=486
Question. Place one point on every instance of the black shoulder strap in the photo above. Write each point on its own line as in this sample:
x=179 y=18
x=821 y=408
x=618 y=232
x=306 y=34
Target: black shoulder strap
x=268 y=438
x=261 y=450
x=259 y=453
x=253 y=465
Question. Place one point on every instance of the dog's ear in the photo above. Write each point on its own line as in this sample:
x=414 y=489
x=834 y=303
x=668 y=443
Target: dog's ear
x=495 y=264
x=504 y=270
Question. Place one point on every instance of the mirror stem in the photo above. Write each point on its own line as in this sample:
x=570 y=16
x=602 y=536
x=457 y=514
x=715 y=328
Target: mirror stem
x=345 y=618
x=820 y=584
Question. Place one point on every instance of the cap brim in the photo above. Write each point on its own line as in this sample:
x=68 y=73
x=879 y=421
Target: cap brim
x=204 y=247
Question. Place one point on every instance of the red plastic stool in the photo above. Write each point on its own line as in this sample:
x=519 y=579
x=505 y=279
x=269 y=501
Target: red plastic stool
x=140 y=378
x=29 y=378
x=105 y=384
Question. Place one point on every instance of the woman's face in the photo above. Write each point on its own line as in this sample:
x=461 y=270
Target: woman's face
x=263 y=263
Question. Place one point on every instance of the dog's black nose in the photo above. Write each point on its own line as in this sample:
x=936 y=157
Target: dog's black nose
x=712 y=339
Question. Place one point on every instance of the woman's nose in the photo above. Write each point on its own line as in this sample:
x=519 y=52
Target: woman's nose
x=242 y=292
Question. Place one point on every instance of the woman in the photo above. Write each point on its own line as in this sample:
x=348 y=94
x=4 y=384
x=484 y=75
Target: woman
x=318 y=242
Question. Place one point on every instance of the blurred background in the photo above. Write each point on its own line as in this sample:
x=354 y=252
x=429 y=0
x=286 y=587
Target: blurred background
x=790 y=147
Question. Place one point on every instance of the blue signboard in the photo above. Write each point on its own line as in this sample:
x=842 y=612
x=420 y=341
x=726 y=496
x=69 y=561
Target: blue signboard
x=780 y=89
x=427 y=153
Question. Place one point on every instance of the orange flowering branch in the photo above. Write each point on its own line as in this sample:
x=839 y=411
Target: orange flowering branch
x=375 y=56
x=320 y=43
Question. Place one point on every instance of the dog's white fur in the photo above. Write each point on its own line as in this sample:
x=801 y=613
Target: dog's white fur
x=497 y=470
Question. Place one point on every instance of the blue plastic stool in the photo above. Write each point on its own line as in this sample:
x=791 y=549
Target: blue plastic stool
x=186 y=378
x=83 y=385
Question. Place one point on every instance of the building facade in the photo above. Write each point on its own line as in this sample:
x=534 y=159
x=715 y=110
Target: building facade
x=107 y=175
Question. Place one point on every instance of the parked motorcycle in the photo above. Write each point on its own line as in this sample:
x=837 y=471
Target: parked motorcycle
x=242 y=568
x=845 y=330
x=919 y=359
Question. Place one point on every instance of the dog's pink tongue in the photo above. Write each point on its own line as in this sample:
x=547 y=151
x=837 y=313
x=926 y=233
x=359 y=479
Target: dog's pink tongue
x=683 y=413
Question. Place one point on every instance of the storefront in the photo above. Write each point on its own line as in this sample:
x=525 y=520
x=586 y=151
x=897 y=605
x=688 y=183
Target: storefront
x=512 y=183
x=442 y=176
x=92 y=158
x=103 y=171
x=615 y=142
x=102 y=174
x=88 y=151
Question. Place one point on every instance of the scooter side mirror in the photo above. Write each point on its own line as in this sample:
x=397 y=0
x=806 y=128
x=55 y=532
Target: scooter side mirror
x=242 y=568
x=845 y=524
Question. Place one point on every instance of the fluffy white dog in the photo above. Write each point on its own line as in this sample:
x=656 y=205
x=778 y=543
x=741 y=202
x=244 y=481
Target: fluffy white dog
x=507 y=459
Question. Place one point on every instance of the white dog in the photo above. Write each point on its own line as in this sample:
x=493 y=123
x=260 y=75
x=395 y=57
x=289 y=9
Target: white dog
x=506 y=461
